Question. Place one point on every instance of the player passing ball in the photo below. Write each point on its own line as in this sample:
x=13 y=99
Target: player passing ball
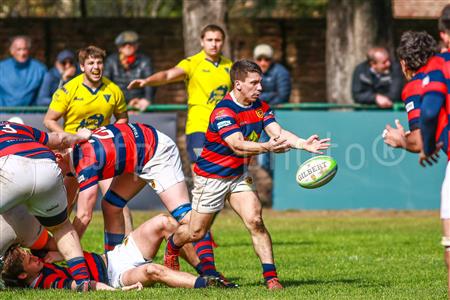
x=231 y=139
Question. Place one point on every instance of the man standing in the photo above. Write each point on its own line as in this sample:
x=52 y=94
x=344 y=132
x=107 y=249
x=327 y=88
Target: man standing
x=232 y=137
x=20 y=75
x=276 y=85
x=378 y=80
x=126 y=65
x=207 y=78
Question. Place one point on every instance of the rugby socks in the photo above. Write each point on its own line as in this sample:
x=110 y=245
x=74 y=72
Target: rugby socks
x=269 y=271
x=78 y=269
x=172 y=249
x=204 y=250
x=112 y=240
x=200 y=283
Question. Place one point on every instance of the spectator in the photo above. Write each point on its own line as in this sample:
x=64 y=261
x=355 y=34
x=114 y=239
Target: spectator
x=276 y=85
x=64 y=70
x=126 y=65
x=20 y=75
x=378 y=80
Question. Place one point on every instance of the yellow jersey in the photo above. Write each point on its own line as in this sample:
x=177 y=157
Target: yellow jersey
x=207 y=83
x=84 y=107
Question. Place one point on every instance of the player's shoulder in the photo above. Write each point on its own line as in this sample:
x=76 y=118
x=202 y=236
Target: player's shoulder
x=109 y=85
x=225 y=61
x=73 y=84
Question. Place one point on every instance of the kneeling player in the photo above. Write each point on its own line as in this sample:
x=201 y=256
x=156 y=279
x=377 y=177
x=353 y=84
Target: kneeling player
x=127 y=266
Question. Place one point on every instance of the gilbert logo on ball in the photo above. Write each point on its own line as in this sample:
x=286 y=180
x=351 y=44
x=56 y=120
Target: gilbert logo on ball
x=316 y=171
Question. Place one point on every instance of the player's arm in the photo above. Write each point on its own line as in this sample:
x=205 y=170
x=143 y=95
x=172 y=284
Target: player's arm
x=247 y=148
x=312 y=144
x=51 y=120
x=121 y=117
x=167 y=76
x=85 y=206
x=398 y=138
x=62 y=140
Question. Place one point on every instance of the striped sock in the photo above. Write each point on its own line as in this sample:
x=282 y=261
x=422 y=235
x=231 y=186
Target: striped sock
x=269 y=271
x=172 y=249
x=200 y=283
x=112 y=240
x=204 y=250
x=78 y=269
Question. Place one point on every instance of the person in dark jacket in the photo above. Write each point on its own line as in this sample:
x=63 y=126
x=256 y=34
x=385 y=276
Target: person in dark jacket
x=126 y=65
x=276 y=85
x=64 y=70
x=378 y=80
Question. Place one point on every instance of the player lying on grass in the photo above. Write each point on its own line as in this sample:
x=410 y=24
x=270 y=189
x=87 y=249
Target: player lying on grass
x=221 y=170
x=135 y=155
x=129 y=265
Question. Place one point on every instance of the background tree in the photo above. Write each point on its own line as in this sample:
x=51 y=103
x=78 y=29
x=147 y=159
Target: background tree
x=353 y=26
x=197 y=14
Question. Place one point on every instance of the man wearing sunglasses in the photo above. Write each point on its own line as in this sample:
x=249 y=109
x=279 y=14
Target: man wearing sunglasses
x=276 y=85
x=64 y=70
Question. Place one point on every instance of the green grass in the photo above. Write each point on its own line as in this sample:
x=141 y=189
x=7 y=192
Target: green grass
x=319 y=255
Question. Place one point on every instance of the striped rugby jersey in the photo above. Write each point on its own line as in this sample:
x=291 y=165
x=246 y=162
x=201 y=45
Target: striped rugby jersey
x=217 y=159
x=23 y=140
x=113 y=150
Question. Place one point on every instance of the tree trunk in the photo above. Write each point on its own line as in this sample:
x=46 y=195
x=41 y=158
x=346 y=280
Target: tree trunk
x=196 y=15
x=353 y=26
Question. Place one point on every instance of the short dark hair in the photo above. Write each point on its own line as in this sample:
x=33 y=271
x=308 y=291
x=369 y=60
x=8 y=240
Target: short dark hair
x=241 y=68
x=13 y=267
x=444 y=19
x=416 y=48
x=212 y=27
x=90 y=51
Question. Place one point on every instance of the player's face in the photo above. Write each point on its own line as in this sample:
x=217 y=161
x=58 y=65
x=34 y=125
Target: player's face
x=251 y=87
x=93 y=69
x=212 y=43
x=20 y=50
x=32 y=265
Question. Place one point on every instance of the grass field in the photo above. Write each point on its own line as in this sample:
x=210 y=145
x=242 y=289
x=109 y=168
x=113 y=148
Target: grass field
x=319 y=255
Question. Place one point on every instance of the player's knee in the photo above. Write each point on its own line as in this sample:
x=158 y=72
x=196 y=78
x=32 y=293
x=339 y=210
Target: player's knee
x=155 y=272
x=256 y=224
x=196 y=234
x=166 y=223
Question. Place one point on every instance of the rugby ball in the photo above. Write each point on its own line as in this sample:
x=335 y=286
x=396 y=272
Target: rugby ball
x=316 y=171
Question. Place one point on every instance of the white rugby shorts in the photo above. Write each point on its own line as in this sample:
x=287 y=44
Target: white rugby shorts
x=122 y=258
x=209 y=194
x=445 y=194
x=18 y=226
x=164 y=169
x=36 y=183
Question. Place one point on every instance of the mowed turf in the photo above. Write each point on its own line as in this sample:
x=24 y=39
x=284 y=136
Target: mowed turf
x=319 y=255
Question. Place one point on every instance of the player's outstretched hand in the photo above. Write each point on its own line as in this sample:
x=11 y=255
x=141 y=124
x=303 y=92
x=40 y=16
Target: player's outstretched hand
x=136 y=84
x=84 y=133
x=313 y=144
x=432 y=158
x=395 y=137
x=278 y=145
x=137 y=286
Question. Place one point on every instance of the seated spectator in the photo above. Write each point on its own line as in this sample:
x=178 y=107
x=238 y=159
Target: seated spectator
x=378 y=80
x=64 y=70
x=126 y=65
x=276 y=80
x=276 y=85
x=20 y=75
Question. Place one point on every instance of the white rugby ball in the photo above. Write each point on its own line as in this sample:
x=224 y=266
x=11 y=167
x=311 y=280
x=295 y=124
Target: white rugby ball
x=316 y=171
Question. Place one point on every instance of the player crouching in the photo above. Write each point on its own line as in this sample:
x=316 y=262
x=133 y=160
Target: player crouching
x=128 y=266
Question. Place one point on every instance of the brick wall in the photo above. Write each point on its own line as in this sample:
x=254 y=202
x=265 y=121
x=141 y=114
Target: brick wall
x=299 y=43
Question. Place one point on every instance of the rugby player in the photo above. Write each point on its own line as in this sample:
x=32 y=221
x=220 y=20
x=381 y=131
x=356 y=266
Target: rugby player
x=129 y=265
x=208 y=80
x=133 y=155
x=232 y=138
x=30 y=176
x=88 y=101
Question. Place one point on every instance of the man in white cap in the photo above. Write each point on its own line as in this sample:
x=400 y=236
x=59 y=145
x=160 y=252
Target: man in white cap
x=276 y=84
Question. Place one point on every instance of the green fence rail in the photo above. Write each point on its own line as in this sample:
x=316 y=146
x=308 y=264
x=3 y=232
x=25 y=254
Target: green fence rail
x=183 y=107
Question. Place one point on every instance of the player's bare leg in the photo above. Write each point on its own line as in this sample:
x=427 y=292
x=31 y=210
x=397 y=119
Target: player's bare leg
x=128 y=219
x=248 y=206
x=446 y=244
